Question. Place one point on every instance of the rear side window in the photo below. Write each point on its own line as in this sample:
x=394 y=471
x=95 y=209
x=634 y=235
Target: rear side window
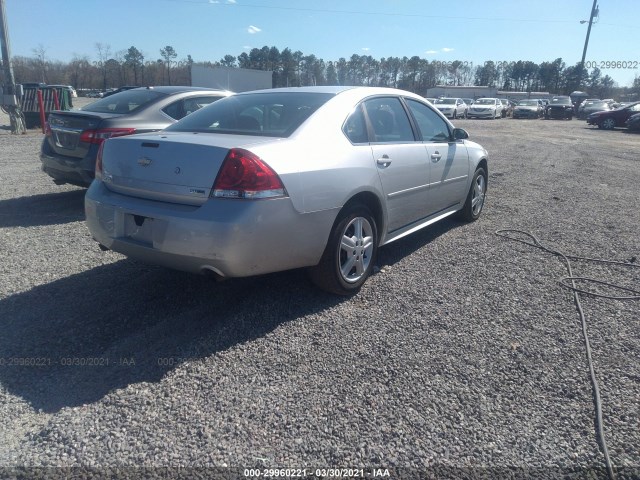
x=355 y=127
x=275 y=114
x=388 y=120
x=124 y=102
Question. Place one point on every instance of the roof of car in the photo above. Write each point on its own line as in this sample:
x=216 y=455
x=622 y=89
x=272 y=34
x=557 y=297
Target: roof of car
x=171 y=89
x=335 y=90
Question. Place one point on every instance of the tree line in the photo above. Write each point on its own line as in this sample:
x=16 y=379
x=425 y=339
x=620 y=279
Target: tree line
x=293 y=68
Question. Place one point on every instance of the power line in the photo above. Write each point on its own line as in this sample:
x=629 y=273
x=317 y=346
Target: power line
x=386 y=14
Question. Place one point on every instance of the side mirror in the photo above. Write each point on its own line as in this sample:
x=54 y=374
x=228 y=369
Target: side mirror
x=460 y=134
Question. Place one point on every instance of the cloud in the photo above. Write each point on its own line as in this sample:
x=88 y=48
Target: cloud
x=232 y=2
x=247 y=47
x=253 y=29
x=366 y=49
x=214 y=1
x=445 y=49
x=431 y=52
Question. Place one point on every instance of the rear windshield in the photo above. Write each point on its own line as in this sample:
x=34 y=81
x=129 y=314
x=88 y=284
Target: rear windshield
x=274 y=114
x=123 y=102
x=561 y=101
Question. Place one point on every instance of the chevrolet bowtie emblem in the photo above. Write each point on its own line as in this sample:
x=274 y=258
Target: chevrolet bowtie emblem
x=144 y=161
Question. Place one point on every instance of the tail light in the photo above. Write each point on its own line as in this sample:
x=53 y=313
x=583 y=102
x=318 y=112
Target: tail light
x=100 y=135
x=244 y=175
x=98 y=171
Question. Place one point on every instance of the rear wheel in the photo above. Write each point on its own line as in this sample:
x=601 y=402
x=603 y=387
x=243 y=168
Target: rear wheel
x=350 y=253
x=608 y=124
x=475 y=198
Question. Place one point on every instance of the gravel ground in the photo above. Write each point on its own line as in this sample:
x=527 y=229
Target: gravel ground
x=461 y=357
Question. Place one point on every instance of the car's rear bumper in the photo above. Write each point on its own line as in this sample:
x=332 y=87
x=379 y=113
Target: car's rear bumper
x=77 y=171
x=233 y=238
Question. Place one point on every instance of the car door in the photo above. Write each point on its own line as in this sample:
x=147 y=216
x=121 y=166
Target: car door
x=401 y=161
x=448 y=159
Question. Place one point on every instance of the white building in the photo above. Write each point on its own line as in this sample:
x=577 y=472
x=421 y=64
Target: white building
x=229 y=78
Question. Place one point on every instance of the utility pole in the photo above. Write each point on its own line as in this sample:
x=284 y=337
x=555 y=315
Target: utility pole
x=594 y=9
x=9 y=100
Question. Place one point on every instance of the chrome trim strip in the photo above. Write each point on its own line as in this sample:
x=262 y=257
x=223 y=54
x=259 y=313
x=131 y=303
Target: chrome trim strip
x=463 y=177
x=412 y=189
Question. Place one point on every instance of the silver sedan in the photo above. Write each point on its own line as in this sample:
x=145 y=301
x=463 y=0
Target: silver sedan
x=264 y=181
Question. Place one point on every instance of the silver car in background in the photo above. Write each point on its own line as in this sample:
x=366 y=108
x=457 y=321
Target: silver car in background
x=486 y=108
x=271 y=180
x=452 y=107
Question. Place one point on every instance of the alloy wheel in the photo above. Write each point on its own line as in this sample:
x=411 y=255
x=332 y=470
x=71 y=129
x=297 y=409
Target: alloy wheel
x=356 y=249
x=477 y=197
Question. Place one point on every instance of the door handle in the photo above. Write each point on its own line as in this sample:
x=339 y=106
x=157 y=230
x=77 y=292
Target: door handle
x=384 y=161
x=435 y=157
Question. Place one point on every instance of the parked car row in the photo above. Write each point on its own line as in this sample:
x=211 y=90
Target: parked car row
x=468 y=108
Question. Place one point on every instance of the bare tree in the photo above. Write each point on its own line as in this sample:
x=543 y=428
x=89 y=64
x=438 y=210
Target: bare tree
x=104 y=52
x=40 y=54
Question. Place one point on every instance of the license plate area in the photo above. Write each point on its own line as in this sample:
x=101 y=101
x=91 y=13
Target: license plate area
x=139 y=228
x=65 y=139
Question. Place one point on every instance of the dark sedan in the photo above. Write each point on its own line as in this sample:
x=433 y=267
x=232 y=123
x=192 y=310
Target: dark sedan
x=559 y=107
x=69 y=149
x=633 y=122
x=613 y=118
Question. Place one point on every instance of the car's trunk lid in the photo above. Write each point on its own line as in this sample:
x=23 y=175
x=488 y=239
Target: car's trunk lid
x=65 y=136
x=171 y=167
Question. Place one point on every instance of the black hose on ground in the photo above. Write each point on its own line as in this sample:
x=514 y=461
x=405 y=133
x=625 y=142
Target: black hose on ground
x=635 y=295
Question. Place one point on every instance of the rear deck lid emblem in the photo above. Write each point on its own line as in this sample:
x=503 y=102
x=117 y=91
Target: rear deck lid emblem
x=144 y=161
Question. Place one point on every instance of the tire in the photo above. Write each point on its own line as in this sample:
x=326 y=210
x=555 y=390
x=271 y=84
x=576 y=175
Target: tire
x=608 y=124
x=350 y=254
x=475 y=198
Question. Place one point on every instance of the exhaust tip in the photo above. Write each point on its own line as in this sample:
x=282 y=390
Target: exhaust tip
x=212 y=273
